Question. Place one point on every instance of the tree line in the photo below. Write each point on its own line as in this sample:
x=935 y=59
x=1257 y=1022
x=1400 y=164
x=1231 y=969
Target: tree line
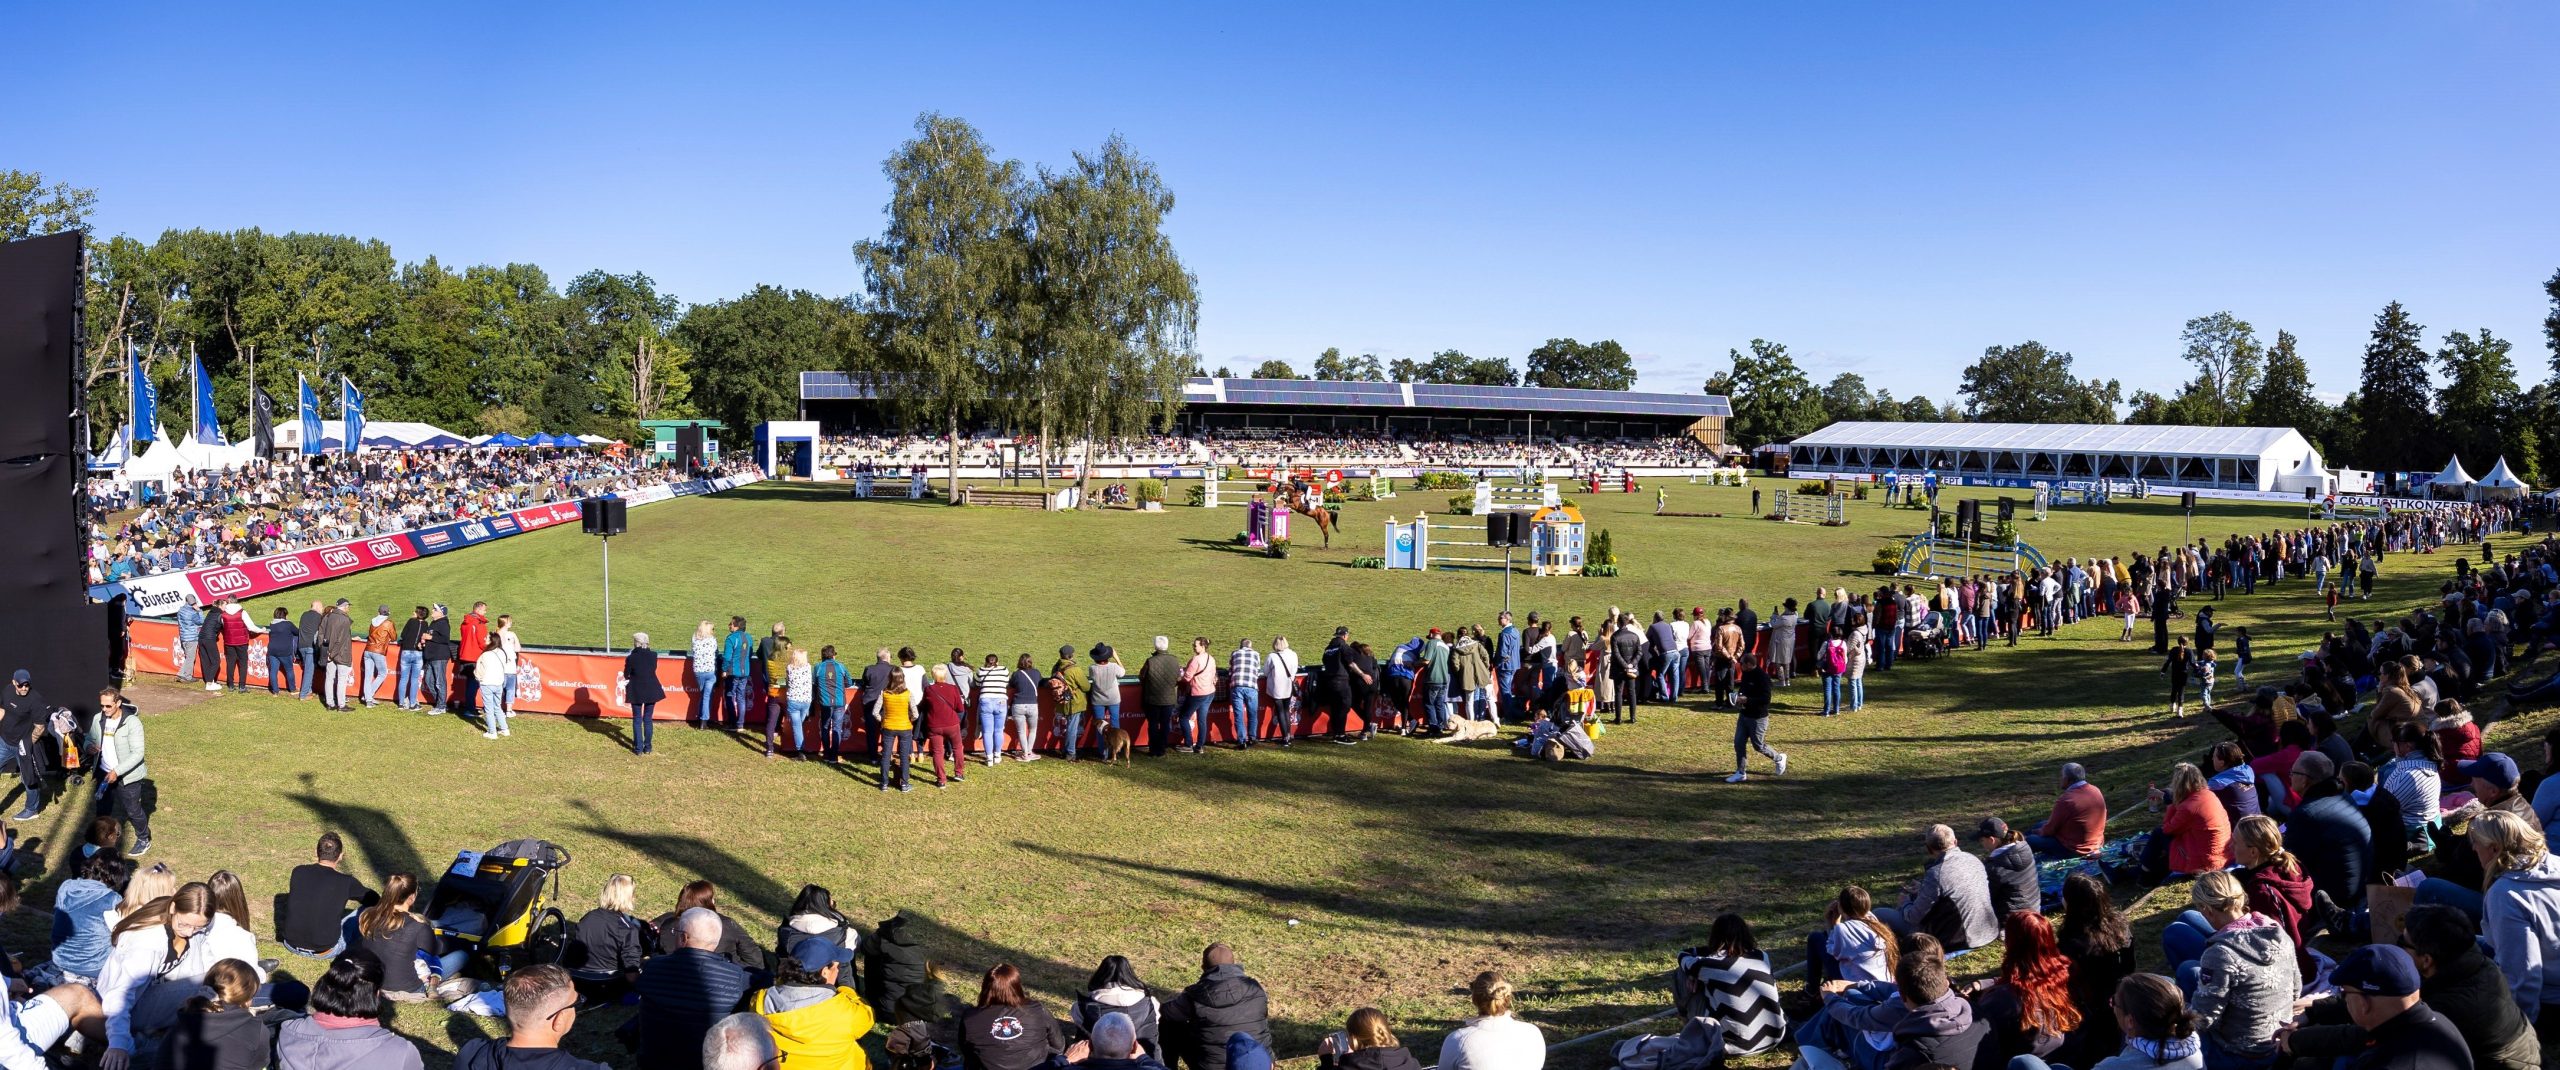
x=2411 y=410
x=1560 y=362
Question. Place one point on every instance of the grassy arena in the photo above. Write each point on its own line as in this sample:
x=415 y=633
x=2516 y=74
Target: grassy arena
x=1408 y=866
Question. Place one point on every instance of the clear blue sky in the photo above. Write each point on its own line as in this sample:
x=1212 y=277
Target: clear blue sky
x=1885 y=187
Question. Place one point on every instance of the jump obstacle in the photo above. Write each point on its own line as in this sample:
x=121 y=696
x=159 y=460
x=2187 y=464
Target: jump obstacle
x=1556 y=543
x=866 y=482
x=1264 y=522
x=1492 y=496
x=1623 y=482
x=1830 y=510
x=1927 y=555
x=1216 y=491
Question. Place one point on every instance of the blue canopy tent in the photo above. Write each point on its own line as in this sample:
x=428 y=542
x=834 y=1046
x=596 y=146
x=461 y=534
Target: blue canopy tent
x=557 y=442
x=502 y=440
x=386 y=442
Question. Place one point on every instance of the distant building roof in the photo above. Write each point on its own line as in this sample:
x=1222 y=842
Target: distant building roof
x=838 y=386
x=2162 y=439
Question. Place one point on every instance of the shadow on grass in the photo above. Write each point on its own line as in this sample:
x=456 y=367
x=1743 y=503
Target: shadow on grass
x=374 y=835
x=681 y=859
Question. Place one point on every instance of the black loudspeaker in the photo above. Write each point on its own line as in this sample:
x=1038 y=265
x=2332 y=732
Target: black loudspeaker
x=1502 y=528
x=1965 y=510
x=2008 y=509
x=688 y=448
x=48 y=625
x=604 y=516
x=2310 y=494
x=2187 y=501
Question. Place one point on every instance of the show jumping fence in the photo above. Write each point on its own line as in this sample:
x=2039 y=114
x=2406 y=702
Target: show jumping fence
x=1831 y=510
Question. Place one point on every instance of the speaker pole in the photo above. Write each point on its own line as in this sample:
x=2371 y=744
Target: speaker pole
x=607 y=543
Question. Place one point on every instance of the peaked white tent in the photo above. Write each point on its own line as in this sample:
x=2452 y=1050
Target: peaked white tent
x=2499 y=483
x=2453 y=475
x=158 y=460
x=194 y=455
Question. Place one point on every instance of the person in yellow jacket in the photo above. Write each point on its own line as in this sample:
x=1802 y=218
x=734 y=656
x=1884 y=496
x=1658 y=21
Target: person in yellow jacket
x=897 y=733
x=817 y=1024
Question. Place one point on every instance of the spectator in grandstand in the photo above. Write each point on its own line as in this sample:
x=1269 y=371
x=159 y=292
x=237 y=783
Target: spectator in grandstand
x=1493 y=1039
x=2077 y=827
x=1951 y=901
x=610 y=942
x=684 y=992
x=2239 y=968
x=642 y=689
x=1115 y=988
x=345 y=1030
x=317 y=897
x=542 y=1006
x=1223 y=1003
x=816 y=1018
x=1008 y=1030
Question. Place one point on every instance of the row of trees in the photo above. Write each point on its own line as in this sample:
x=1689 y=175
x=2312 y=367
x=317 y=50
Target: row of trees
x=1561 y=362
x=2411 y=409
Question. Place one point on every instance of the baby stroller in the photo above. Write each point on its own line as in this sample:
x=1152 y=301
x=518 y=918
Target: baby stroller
x=501 y=905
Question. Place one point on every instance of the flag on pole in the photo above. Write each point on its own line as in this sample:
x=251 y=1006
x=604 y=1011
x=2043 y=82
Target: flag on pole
x=262 y=422
x=208 y=426
x=351 y=409
x=310 y=417
x=146 y=401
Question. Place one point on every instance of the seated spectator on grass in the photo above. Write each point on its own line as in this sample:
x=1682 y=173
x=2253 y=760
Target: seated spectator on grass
x=542 y=1006
x=1855 y=945
x=2413 y=777
x=31 y=1027
x=317 y=900
x=2195 y=831
x=2238 y=969
x=897 y=965
x=1115 y=988
x=2159 y=1033
x=2520 y=915
x=2027 y=1006
x=2228 y=774
x=817 y=1020
x=814 y=914
x=84 y=918
x=1114 y=1046
x=740 y=1041
x=611 y=942
x=2275 y=769
x=684 y=992
x=1729 y=979
x=2456 y=874
x=345 y=1030
x=2327 y=834
x=398 y=936
x=2099 y=943
x=1222 y=1003
x=217 y=1031
x=1493 y=1039
x=2011 y=866
x=2456 y=979
x=1365 y=1043
x=140 y=987
x=2457 y=737
x=1008 y=1030
x=2276 y=885
x=2380 y=990
x=735 y=945
x=2077 y=828
x=1916 y=1021
x=1951 y=901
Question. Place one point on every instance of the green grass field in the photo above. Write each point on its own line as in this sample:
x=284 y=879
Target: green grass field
x=1408 y=866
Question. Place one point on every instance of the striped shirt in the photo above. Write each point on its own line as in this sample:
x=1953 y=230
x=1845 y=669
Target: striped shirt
x=994 y=685
x=1245 y=666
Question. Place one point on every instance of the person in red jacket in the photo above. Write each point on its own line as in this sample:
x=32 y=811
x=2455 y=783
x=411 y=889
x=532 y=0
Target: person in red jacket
x=475 y=641
x=2195 y=831
x=942 y=705
x=236 y=633
x=2077 y=828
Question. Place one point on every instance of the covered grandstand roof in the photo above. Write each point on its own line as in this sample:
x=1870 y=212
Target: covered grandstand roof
x=1302 y=393
x=2166 y=439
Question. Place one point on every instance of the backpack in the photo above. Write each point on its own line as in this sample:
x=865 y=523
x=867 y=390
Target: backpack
x=1835 y=658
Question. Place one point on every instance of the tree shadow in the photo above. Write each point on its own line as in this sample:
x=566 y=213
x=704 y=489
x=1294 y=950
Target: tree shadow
x=375 y=835
x=681 y=859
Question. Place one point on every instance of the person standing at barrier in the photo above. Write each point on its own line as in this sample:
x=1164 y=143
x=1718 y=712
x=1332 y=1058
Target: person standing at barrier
x=381 y=643
x=1073 y=688
x=283 y=645
x=1782 y=643
x=737 y=661
x=337 y=655
x=438 y=650
x=1022 y=707
x=491 y=672
x=505 y=640
x=1700 y=657
x=1199 y=692
x=832 y=680
x=942 y=705
x=1729 y=661
x=1160 y=692
x=306 y=649
x=236 y=631
x=703 y=658
x=799 y=688
x=1106 y=676
x=1663 y=646
x=1435 y=681
x=209 y=659
x=773 y=668
x=1626 y=657
x=640 y=688
x=1506 y=662
x=1244 y=693
x=895 y=711
x=1280 y=672
x=190 y=629
x=875 y=684
x=995 y=690
x=467 y=683
x=413 y=660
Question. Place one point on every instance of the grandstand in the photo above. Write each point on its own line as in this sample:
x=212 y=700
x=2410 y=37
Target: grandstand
x=2251 y=459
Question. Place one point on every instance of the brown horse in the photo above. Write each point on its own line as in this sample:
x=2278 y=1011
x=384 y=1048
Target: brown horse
x=1309 y=503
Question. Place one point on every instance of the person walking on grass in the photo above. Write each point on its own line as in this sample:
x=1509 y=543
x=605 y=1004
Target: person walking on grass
x=995 y=693
x=1244 y=692
x=641 y=688
x=2178 y=667
x=833 y=682
x=121 y=769
x=1751 y=727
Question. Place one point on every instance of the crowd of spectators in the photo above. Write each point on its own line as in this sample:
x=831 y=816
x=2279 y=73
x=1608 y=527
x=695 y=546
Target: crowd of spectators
x=1269 y=447
x=212 y=517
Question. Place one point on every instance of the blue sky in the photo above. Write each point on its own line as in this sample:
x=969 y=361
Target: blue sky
x=1885 y=187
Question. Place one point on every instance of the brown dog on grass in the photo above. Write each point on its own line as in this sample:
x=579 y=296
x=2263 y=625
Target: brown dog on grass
x=1115 y=745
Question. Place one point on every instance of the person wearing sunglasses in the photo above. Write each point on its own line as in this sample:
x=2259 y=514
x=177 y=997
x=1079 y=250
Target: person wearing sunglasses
x=542 y=1006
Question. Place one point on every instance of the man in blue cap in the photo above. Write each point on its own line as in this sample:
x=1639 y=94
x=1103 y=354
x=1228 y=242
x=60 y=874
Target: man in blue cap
x=22 y=717
x=2379 y=985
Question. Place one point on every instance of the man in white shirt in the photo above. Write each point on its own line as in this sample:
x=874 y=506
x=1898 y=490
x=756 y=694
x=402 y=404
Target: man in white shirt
x=1280 y=673
x=1493 y=1039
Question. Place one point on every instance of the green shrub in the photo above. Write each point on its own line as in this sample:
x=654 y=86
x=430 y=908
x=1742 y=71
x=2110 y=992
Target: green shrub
x=1368 y=562
x=1603 y=551
x=1443 y=481
x=1889 y=557
x=1276 y=548
x=1152 y=490
x=1599 y=570
x=1462 y=504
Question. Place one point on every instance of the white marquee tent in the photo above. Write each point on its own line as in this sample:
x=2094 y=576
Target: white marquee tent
x=2452 y=476
x=2230 y=458
x=2499 y=483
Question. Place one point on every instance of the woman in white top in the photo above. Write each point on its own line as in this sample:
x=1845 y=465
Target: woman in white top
x=492 y=666
x=506 y=640
x=150 y=944
x=1493 y=1039
x=706 y=667
x=799 y=686
x=1280 y=675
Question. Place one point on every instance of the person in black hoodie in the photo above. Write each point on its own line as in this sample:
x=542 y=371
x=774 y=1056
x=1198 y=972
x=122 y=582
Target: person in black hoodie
x=1370 y=1046
x=438 y=648
x=897 y=963
x=735 y=945
x=22 y=717
x=1008 y=1030
x=1222 y=1003
x=2011 y=865
x=219 y=1032
x=1116 y=989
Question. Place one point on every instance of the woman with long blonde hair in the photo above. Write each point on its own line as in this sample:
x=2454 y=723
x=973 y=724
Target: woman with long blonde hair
x=703 y=657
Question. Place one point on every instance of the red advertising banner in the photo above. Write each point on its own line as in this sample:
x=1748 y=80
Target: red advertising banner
x=252 y=578
x=543 y=516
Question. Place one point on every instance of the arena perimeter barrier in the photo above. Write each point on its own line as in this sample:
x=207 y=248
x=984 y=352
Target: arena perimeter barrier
x=161 y=595
x=587 y=683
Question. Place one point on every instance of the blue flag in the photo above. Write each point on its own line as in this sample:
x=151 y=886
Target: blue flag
x=310 y=417
x=208 y=426
x=146 y=402
x=351 y=406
